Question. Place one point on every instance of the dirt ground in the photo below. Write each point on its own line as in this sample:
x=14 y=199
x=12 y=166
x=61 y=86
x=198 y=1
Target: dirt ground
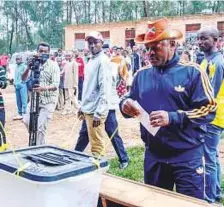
x=64 y=129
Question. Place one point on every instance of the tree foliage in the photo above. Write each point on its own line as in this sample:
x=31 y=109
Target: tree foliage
x=25 y=23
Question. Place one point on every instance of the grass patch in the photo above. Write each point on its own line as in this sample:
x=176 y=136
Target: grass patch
x=134 y=171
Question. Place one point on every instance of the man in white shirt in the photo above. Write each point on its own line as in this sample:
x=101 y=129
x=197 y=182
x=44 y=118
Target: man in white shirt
x=70 y=84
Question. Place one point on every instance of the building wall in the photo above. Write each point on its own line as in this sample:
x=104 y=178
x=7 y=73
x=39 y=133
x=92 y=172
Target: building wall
x=69 y=38
x=117 y=29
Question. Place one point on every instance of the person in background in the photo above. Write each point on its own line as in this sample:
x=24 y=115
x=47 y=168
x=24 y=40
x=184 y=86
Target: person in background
x=81 y=66
x=213 y=64
x=55 y=54
x=136 y=64
x=219 y=44
x=61 y=97
x=129 y=66
x=114 y=50
x=4 y=60
x=106 y=50
x=122 y=72
x=121 y=50
x=9 y=71
x=143 y=57
x=60 y=53
x=8 y=61
x=52 y=56
x=70 y=70
x=185 y=56
x=87 y=55
x=20 y=88
x=129 y=50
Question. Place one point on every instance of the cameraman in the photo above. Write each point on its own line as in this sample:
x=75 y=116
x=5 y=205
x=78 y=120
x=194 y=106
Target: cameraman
x=48 y=89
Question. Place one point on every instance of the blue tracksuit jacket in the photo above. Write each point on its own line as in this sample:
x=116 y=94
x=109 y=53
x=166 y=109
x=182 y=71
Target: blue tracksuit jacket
x=183 y=90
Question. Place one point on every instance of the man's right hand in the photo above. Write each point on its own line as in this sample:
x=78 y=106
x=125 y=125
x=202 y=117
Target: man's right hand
x=129 y=108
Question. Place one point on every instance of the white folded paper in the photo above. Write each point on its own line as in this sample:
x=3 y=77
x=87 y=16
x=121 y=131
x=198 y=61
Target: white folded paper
x=144 y=119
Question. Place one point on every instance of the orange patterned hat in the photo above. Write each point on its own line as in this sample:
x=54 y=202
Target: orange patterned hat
x=157 y=31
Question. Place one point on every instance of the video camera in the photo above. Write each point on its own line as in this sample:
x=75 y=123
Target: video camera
x=35 y=64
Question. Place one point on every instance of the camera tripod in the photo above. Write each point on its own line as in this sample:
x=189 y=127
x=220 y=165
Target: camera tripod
x=36 y=65
x=34 y=114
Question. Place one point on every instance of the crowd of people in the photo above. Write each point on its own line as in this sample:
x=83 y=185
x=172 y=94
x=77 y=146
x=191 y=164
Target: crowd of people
x=72 y=66
x=184 y=99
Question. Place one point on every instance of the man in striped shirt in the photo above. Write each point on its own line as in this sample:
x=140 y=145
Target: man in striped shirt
x=48 y=89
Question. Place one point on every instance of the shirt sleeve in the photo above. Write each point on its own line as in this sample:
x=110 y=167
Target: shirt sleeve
x=55 y=75
x=104 y=89
x=202 y=103
x=216 y=76
x=3 y=81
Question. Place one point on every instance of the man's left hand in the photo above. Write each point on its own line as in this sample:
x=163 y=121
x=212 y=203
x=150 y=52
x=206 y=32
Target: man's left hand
x=96 y=122
x=159 y=118
x=39 y=89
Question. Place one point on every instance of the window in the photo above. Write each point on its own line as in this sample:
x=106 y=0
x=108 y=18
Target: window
x=129 y=33
x=106 y=37
x=79 y=41
x=106 y=34
x=79 y=36
x=193 y=27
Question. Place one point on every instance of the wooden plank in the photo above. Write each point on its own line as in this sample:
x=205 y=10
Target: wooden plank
x=134 y=194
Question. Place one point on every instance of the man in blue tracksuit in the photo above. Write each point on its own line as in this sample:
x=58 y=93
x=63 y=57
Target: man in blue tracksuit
x=179 y=99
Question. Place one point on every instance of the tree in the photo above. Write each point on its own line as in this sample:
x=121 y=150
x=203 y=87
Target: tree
x=25 y=23
x=145 y=8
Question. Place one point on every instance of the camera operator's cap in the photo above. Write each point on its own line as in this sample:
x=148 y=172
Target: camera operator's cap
x=158 y=31
x=96 y=35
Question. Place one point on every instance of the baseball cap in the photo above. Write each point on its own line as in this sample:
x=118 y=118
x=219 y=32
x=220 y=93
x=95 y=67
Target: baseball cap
x=96 y=35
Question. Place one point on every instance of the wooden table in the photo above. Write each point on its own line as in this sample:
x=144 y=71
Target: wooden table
x=134 y=194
